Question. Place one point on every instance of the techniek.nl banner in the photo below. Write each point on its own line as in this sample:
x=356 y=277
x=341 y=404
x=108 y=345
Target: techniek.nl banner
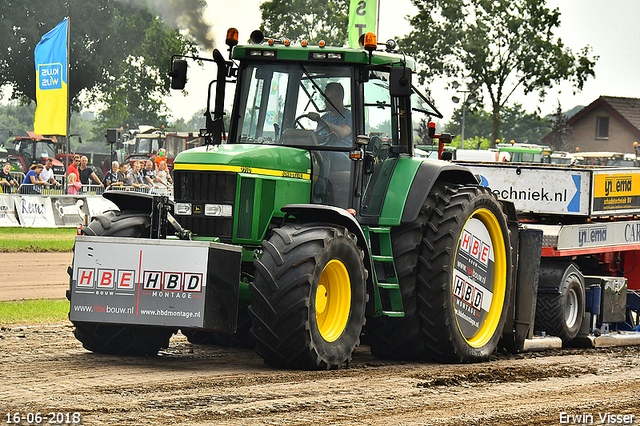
x=51 y=82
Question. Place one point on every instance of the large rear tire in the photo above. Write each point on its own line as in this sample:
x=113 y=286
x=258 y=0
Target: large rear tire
x=112 y=338
x=426 y=254
x=464 y=274
x=400 y=337
x=308 y=298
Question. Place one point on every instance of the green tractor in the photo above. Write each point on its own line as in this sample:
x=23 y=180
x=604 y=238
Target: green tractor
x=340 y=235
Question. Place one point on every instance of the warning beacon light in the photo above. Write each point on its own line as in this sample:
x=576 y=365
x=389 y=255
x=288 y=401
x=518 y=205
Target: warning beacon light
x=370 y=42
x=232 y=37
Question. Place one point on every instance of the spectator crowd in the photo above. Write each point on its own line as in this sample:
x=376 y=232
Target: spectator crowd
x=144 y=176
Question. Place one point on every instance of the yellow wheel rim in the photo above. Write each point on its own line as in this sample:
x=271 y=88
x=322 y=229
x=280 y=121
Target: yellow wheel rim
x=333 y=300
x=487 y=328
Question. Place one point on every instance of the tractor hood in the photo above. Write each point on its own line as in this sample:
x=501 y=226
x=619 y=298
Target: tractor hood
x=268 y=160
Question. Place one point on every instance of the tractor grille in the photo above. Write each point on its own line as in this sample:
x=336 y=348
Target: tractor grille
x=200 y=188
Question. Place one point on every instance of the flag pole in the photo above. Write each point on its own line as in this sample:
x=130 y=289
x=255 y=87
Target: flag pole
x=378 y=18
x=67 y=137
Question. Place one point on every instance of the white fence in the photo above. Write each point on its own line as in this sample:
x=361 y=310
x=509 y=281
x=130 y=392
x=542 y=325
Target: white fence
x=51 y=206
x=53 y=190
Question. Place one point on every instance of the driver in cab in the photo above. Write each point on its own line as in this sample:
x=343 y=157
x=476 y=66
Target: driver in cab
x=337 y=119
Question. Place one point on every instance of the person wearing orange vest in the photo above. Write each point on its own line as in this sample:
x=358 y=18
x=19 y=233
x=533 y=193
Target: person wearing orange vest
x=160 y=157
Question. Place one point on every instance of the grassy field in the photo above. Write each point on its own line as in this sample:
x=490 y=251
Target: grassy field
x=36 y=239
x=39 y=311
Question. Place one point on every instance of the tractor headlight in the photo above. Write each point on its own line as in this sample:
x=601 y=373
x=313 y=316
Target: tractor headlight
x=183 y=209
x=220 y=210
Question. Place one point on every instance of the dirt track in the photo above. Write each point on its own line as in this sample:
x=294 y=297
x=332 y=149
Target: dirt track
x=34 y=275
x=44 y=369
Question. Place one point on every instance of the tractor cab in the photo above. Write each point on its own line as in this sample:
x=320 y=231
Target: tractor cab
x=35 y=149
x=330 y=102
x=333 y=120
x=321 y=100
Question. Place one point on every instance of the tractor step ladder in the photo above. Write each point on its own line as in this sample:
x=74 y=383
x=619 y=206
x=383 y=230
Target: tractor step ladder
x=388 y=298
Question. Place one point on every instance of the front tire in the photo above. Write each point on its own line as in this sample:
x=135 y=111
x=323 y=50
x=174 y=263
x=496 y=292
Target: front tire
x=308 y=299
x=112 y=338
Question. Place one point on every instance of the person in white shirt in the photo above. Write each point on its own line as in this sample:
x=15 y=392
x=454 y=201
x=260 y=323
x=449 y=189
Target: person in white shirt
x=47 y=173
x=163 y=175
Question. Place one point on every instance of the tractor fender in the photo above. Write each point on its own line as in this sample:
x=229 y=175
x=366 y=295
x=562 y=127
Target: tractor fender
x=307 y=213
x=130 y=200
x=429 y=172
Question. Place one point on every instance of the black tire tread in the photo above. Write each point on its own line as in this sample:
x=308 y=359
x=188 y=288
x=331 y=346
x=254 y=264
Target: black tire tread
x=242 y=338
x=122 y=340
x=434 y=296
x=400 y=338
x=550 y=310
x=280 y=306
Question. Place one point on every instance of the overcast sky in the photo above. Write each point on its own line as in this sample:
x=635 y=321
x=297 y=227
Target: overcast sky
x=610 y=27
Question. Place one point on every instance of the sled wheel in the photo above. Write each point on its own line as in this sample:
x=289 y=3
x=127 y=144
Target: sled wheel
x=112 y=338
x=308 y=298
x=561 y=314
x=464 y=274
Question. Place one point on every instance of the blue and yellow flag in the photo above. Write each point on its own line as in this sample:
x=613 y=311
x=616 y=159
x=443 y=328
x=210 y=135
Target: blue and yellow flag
x=51 y=82
x=362 y=19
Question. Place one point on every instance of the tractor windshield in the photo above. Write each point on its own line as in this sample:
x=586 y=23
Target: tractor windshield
x=146 y=144
x=288 y=104
x=45 y=150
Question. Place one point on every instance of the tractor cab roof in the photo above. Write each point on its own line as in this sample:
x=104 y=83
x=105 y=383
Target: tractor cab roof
x=285 y=50
x=319 y=54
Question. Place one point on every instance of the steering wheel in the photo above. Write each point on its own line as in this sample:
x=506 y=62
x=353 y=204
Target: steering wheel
x=330 y=136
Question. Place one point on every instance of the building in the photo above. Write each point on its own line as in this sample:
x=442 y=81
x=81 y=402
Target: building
x=607 y=124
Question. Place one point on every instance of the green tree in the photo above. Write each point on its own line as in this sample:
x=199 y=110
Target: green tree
x=476 y=142
x=501 y=45
x=517 y=124
x=312 y=20
x=197 y=120
x=561 y=134
x=18 y=119
x=523 y=127
x=120 y=53
x=477 y=123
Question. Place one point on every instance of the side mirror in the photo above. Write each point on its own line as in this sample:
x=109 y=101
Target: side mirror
x=362 y=140
x=446 y=138
x=400 y=82
x=178 y=74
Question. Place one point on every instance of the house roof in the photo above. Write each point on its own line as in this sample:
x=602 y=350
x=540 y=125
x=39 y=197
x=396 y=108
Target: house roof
x=626 y=110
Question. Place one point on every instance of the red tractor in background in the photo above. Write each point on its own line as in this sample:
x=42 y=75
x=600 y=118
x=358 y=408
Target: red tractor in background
x=35 y=149
x=144 y=143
